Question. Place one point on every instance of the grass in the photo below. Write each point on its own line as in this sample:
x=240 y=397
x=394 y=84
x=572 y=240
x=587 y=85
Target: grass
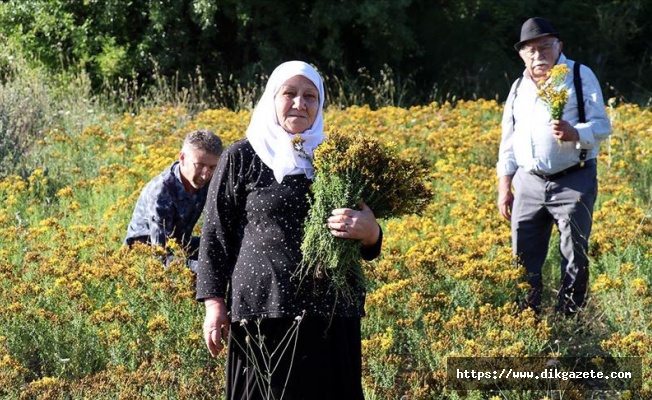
x=81 y=317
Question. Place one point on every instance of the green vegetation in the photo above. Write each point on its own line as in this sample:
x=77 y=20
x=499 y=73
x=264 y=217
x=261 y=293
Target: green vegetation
x=409 y=51
x=82 y=317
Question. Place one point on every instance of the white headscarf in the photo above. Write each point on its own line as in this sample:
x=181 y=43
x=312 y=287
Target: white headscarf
x=270 y=141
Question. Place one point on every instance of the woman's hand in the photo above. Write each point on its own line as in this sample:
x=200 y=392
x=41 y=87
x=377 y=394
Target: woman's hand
x=216 y=325
x=355 y=224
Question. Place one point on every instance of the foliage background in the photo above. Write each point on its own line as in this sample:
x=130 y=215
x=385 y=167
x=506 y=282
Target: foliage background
x=88 y=115
x=82 y=317
x=431 y=49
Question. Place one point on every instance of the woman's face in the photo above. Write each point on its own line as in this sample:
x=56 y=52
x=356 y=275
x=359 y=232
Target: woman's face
x=297 y=104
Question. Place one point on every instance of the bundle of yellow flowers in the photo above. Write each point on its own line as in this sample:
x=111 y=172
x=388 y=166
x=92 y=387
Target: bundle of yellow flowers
x=350 y=168
x=553 y=93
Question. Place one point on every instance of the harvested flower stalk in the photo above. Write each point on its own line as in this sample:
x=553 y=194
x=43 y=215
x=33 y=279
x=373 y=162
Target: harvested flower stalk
x=350 y=168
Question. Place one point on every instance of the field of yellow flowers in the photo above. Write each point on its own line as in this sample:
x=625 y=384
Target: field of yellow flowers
x=82 y=317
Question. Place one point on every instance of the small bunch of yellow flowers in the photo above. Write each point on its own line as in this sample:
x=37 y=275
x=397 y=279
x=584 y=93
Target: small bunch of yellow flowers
x=552 y=91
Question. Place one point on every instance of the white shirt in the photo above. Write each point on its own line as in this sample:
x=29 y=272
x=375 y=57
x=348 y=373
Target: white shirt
x=527 y=141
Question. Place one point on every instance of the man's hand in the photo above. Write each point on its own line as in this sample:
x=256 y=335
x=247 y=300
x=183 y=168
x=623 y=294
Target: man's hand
x=564 y=131
x=216 y=325
x=505 y=197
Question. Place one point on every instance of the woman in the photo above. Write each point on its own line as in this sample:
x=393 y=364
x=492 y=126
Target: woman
x=289 y=338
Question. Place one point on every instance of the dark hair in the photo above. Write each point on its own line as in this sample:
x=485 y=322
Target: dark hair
x=204 y=139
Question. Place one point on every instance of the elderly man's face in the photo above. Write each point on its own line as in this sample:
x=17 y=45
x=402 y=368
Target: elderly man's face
x=540 y=55
x=297 y=104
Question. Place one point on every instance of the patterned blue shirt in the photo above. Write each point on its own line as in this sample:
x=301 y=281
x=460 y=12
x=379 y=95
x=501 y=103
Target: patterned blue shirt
x=166 y=210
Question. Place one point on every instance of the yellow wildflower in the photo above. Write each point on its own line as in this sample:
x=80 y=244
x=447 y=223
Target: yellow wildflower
x=552 y=94
x=158 y=324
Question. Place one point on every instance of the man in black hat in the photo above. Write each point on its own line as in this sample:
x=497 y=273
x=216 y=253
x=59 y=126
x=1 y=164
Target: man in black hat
x=547 y=168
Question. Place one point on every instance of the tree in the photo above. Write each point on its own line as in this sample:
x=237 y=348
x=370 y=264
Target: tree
x=428 y=49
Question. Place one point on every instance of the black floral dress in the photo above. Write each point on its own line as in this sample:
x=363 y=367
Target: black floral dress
x=249 y=254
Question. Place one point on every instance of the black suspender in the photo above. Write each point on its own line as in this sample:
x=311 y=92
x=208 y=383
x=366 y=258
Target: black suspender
x=577 y=81
x=518 y=83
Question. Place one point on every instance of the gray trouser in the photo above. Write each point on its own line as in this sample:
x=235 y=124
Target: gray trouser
x=567 y=202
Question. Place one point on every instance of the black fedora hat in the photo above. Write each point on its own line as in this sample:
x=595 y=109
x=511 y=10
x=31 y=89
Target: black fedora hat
x=533 y=28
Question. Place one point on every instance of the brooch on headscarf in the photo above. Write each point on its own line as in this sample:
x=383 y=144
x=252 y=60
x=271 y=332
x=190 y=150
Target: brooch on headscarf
x=297 y=144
